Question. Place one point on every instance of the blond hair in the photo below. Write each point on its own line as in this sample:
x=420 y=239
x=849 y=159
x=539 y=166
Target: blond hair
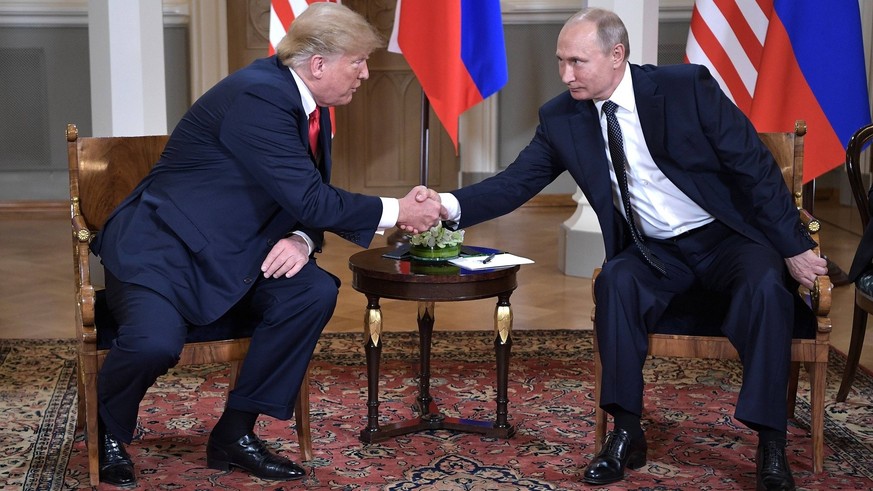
x=326 y=29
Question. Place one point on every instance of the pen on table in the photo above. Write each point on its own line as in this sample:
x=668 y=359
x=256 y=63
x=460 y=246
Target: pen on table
x=489 y=258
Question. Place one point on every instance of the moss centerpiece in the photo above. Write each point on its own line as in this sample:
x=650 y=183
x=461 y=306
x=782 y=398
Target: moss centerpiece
x=436 y=244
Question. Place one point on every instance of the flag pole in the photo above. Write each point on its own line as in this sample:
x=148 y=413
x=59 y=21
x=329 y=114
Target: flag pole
x=425 y=138
x=399 y=237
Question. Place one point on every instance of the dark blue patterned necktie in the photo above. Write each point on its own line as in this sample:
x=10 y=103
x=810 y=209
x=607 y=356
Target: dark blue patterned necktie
x=619 y=163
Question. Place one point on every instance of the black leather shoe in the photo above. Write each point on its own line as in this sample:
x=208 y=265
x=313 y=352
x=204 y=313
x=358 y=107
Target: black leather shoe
x=772 y=467
x=618 y=451
x=249 y=453
x=116 y=468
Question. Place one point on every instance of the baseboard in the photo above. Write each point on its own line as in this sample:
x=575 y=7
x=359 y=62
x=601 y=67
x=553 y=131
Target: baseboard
x=34 y=209
x=551 y=200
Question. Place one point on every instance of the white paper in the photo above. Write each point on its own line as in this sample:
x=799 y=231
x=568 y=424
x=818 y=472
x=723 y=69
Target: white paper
x=474 y=263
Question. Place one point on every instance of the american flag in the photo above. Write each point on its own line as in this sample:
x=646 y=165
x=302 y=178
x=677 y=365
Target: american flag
x=728 y=37
x=784 y=60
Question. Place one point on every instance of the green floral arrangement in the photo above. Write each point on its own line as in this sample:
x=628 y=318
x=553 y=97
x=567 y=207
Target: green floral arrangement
x=436 y=244
x=438 y=237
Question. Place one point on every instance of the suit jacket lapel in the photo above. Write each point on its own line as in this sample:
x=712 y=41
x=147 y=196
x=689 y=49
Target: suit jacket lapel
x=650 y=107
x=322 y=161
x=588 y=143
x=590 y=148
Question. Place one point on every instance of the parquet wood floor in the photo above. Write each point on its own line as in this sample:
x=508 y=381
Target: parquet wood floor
x=36 y=291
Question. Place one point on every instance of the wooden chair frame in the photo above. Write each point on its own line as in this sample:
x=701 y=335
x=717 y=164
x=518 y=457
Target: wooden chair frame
x=863 y=302
x=103 y=171
x=787 y=149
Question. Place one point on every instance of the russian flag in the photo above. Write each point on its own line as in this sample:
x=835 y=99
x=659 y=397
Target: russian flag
x=456 y=50
x=783 y=60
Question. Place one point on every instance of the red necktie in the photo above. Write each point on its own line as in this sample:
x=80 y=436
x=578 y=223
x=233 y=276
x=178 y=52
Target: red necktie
x=314 y=128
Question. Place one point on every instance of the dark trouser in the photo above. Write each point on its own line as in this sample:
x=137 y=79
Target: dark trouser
x=632 y=297
x=151 y=335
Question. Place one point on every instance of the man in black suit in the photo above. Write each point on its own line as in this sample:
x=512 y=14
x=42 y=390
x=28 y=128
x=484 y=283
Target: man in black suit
x=687 y=196
x=232 y=215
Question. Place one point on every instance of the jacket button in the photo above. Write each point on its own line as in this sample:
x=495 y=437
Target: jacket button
x=248 y=281
x=271 y=242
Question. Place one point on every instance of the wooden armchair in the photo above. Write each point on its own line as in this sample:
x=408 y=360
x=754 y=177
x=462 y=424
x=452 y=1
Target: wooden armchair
x=103 y=171
x=863 y=300
x=787 y=149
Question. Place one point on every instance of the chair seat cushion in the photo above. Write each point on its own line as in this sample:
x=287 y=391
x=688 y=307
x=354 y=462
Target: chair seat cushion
x=865 y=282
x=700 y=312
x=237 y=323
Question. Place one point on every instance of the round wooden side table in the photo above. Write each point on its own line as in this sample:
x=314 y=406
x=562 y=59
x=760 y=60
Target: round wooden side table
x=379 y=277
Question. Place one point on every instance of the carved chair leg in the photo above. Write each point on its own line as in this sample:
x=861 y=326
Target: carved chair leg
x=818 y=383
x=859 y=328
x=88 y=392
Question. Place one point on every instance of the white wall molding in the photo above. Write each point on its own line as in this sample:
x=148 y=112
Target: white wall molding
x=208 y=45
x=538 y=11
x=50 y=13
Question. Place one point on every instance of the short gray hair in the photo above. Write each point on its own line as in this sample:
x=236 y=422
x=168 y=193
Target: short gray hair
x=327 y=28
x=610 y=28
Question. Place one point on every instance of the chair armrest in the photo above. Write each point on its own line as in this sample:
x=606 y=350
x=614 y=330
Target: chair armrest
x=80 y=230
x=820 y=295
x=85 y=295
x=810 y=222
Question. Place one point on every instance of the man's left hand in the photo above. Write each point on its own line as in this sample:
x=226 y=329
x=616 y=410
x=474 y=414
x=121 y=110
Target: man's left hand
x=806 y=267
x=286 y=257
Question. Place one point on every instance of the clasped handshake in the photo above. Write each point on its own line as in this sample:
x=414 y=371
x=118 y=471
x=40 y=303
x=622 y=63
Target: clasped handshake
x=420 y=210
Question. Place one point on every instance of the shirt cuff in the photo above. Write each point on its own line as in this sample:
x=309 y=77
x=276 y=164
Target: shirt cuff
x=390 y=214
x=452 y=206
x=309 y=243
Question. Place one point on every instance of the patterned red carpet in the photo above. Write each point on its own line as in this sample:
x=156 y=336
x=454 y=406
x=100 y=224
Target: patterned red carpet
x=693 y=440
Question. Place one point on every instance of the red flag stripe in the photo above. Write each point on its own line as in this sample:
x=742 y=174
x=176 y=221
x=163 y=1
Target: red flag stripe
x=283 y=11
x=721 y=62
x=749 y=41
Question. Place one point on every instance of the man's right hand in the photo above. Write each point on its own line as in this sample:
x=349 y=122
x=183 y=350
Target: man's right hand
x=419 y=210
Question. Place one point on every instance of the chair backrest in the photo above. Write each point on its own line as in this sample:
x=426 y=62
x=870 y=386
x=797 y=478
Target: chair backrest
x=104 y=170
x=787 y=149
x=853 y=168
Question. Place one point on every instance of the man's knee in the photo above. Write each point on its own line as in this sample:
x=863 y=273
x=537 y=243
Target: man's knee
x=614 y=276
x=324 y=291
x=158 y=351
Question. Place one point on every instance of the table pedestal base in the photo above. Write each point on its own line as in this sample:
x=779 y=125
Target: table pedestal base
x=431 y=419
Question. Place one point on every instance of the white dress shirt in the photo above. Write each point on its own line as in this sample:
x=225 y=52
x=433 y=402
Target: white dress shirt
x=661 y=209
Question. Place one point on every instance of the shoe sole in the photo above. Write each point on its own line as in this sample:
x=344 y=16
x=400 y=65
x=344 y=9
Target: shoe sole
x=225 y=466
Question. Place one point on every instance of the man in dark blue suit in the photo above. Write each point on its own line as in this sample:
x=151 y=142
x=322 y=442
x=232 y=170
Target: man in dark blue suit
x=687 y=196
x=231 y=216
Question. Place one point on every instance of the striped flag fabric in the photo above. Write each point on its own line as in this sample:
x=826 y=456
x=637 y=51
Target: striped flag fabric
x=783 y=60
x=456 y=50
x=282 y=14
